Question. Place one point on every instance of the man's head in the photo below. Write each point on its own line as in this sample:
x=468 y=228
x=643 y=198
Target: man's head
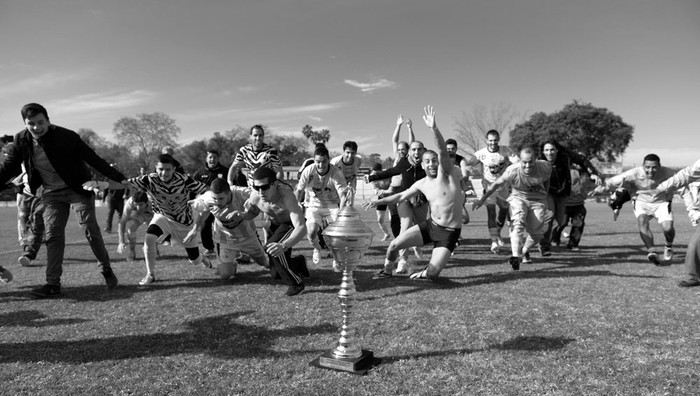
x=167 y=150
x=140 y=199
x=165 y=168
x=416 y=150
x=402 y=149
x=651 y=165
x=265 y=183
x=321 y=159
x=212 y=158
x=451 y=146
x=221 y=192
x=257 y=136
x=492 y=140
x=430 y=163
x=349 y=151
x=36 y=119
x=527 y=159
x=376 y=167
x=550 y=149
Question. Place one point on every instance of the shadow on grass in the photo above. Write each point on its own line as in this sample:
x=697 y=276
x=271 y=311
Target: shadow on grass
x=522 y=343
x=34 y=318
x=221 y=336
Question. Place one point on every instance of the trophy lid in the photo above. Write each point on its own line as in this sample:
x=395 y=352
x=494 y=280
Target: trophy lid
x=348 y=224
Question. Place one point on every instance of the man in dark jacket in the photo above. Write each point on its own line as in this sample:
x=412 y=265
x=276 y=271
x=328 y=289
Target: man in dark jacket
x=55 y=158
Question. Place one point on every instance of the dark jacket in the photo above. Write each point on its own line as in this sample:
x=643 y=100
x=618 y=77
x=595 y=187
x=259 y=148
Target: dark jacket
x=207 y=175
x=66 y=152
x=560 y=182
x=409 y=173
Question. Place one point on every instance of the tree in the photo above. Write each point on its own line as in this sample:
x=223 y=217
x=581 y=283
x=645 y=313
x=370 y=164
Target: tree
x=322 y=136
x=471 y=128
x=146 y=135
x=593 y=131
x=91 y=137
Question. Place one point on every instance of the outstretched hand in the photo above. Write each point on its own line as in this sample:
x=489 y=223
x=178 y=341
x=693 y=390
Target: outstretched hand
x=429 y=116
x=409 y=123
x=93 y=185
x=369 y=204
x=399 y=120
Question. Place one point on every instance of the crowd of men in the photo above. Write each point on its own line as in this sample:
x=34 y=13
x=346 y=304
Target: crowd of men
x=537 y=191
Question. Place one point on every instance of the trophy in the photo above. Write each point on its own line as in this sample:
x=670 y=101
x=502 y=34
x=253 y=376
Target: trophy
x=348 y=239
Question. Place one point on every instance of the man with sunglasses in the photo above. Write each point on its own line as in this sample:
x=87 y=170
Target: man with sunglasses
x=277 y=199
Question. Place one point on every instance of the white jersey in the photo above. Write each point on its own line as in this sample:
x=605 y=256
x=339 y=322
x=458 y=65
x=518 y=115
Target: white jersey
x=641 y=187
x=528 y=187
x=494 y=163
x=228 y=229
x=350 y=170
x=322 y=191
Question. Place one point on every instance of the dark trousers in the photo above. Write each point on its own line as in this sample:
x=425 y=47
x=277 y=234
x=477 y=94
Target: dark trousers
x=30 y=218
x=577 y=215
x=207 y=238
x=558 y=213
x=287 y=267
x=57 y=205
x=115 y=203
x=395 y=221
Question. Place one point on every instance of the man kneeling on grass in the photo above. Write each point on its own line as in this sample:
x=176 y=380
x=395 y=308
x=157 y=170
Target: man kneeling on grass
x=443 y=191
x=233 y=228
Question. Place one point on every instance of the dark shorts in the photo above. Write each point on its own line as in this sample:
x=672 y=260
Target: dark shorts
x=439 y=235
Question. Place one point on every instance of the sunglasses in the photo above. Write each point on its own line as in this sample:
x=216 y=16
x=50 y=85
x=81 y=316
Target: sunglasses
x=264 y=187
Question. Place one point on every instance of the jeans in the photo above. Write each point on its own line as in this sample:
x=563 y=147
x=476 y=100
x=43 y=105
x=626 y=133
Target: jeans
x=30 y=222
x=56 y=212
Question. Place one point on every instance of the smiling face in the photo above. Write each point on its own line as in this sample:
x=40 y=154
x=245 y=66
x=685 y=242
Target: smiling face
x=38 y=125
x=451 y=150
x=651 y=168
x=416 y=151
x=349 y=155
x=527 y=162
x=492 y=140
x=402 y=149
x=430 y=164
x=257 y=137
x=322 y=163
x=550 y=152
x=165 y=171
x=212 y=159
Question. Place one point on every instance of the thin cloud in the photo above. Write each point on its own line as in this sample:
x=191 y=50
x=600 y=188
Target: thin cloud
x=269 y=112
x=102 y=101
x=39 y=83
x=315 y=119
x=372 y=86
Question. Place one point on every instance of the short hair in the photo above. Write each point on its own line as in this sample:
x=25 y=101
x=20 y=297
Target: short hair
x=402 y=143
x=166 y=159
x=321 y=150
x=351 y=145
x=493 y=132
x=428 y=152
x=32 y=109
x=219 y=185
x=257 y=126
x=377 y=167
x=265 y=173
x=652 y=157
x=527 y=150
x=213 y=151
x=451 y=141
x=140 y=196
x=167 y=150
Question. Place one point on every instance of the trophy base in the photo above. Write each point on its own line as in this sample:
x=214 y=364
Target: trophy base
x=359 y=365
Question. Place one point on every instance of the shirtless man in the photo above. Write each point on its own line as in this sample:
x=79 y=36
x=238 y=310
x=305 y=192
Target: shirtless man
x=443 y=191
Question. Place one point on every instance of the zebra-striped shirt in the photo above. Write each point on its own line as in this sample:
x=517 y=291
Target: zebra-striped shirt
x=254 y=159
x=170 y=198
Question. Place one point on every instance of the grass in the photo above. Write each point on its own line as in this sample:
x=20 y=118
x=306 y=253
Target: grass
x=599 y=321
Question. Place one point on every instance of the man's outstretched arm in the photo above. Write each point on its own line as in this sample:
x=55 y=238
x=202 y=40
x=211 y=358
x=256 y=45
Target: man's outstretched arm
x=443 y=156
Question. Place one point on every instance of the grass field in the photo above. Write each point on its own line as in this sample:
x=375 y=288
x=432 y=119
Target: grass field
x=602 y=321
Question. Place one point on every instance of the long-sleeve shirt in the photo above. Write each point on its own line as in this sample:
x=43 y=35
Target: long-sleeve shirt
x=640 y=186
x=688 y=180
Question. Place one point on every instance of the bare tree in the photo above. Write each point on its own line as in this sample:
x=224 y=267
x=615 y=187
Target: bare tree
x=471 y=127
x=146 y=135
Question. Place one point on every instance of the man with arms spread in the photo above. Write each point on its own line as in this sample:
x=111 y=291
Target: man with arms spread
x=56 y=158
x=442 y=190
x=689 y=180
x=641 y=183
x=529 y=180
x=349 y=164
x=324 y=190
x=277 y=200
x=137 y=211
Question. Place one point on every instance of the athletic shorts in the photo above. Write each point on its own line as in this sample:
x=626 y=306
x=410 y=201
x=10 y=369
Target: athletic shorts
x=660 y=210
x=317 y=215
x=229 y=252
x=440 y=236
x=177 y=231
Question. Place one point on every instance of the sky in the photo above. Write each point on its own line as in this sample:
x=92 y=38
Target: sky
x=353 y=66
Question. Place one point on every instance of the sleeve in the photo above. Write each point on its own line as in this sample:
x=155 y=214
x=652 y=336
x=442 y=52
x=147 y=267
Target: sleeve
x=303 y=179
x=195 y=186
x=88 y=155
x=618 y=180
x=140 y=182
x=394 y=171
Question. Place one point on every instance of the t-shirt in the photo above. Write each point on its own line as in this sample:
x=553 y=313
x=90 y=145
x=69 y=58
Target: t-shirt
x=322 y=190
x=229 y=229
x=170 y=198
x=637 y=183
x=529 y=187
x=495 y=163
x=349 y=171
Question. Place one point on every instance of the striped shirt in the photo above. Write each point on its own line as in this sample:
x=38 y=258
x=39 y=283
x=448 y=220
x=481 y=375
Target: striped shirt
x=170 y=198
x=253 y=159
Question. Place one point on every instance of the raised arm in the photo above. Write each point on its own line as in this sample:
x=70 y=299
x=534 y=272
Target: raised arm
x=397 y=132
x=392 y=199
x=443 y=156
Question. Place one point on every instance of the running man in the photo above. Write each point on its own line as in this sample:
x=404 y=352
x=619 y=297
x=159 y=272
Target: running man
x=442 y=190
x=349 y=164
x=529 y=180
x=137 y=211
x=641 y=183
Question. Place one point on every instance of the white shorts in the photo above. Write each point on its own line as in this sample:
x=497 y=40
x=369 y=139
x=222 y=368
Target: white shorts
x=177 y=231
x=660 y=210
x=229 y=252
x=317 y=215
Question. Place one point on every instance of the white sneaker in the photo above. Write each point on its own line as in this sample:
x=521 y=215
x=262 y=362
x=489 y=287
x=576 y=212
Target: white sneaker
x=147 y=280
x=336 y=267
x=495 y=247
x=386 y=237
x=565 y=234
x=24 y=261
x=418 y=252
x=316 y=257
x=403 y=267
x=668 y=253
x=501 y=242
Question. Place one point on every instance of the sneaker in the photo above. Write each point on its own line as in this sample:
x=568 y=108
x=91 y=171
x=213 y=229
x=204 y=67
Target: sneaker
x=386 y=237
x=5 y=275
x=654 y=258
x=147 y=280
x=545 y=251
x=565 y=234
x=107 y=230
x=689 y=283
x=526 y=258
x=110 y=278
x=668 y=253
x=336 y=267
x=206 y=262
x=575 y=249
x=316 y=257
x=209 y=252
x=420 y=275
x=293 y=290
x=24 y=261
x=402 y=268
x=383 y=274
x=514 y=263
x=418 y=252
x=501 y=242
x=46 y=291
x=495 y=248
